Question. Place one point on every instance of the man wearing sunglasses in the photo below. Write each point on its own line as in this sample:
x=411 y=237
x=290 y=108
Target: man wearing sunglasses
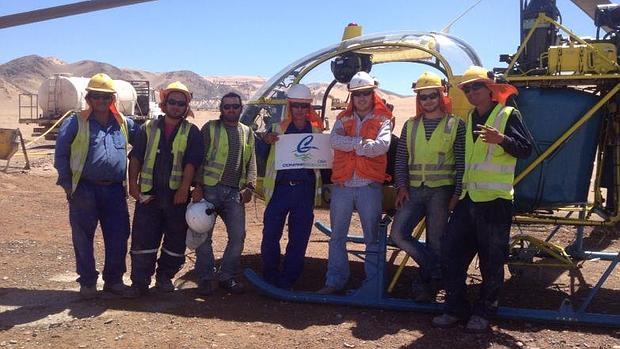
x=495 y=138
x=91 y=159
x=292 y=193
x=226 y=179
x=360 y=139
x=163 y=160
x=429 y=171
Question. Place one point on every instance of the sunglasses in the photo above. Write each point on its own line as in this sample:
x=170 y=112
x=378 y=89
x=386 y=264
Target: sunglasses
x=175 y=102
x=300 y=105
x=96 y=97
x=231 y=106
x=361 y=93
x=433 y=95
x=473 y=87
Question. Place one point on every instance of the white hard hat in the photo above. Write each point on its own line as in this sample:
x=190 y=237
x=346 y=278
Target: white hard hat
x=299 y=91
x=200 y=216
x=361 y=81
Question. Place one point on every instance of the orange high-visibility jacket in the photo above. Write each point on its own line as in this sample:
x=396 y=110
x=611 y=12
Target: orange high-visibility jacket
x=345 y=163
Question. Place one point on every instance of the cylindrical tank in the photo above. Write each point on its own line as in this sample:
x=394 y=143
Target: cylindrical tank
x=59 y=94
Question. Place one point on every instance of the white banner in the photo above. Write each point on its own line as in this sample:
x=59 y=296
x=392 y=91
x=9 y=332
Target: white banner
x=303 y=150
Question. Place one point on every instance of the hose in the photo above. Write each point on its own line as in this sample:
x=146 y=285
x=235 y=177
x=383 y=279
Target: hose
x=48 y=131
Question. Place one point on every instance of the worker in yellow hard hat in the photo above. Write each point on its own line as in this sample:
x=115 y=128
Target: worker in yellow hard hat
x=428 y=176
x=163 y=160
x=91 y=159
x=495 y=138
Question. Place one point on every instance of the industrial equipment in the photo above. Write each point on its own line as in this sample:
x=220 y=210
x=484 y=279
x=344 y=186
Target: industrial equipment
x=568 y=95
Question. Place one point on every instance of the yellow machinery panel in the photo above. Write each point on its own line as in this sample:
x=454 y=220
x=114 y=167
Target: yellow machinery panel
x=582 y=59
x=460 y=105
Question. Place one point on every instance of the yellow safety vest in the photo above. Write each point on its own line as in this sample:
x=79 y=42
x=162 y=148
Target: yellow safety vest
x=489 y=170
x=179 y=145
x=431 y=162
x=81 y=143
x=215 y=157
x=269 y=181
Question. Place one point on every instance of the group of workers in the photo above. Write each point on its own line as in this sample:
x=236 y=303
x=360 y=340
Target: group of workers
x=456 y=175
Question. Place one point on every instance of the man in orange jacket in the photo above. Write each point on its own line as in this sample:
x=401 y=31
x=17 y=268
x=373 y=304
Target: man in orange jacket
x=360 y=139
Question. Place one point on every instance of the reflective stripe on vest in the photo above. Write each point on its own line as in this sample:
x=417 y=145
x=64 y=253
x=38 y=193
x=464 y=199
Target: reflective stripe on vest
x=215 y=157
x=269 y=181
x=489 y=170
x=81 y=144
x=432 y=161
x=179 y=145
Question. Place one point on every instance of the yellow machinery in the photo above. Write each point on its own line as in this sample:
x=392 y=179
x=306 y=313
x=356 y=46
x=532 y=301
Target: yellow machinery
x=10 y=140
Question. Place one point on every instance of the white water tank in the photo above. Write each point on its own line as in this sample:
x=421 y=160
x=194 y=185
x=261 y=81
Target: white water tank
x=59 y=94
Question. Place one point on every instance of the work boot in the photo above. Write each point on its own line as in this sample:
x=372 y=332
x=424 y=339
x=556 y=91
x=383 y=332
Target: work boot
x=445 y=321
x=205 y=288
x=232 y=286
x=136 y=291
x=118 y=289
x=88 y=292
x=164 y=285
x=477 y=324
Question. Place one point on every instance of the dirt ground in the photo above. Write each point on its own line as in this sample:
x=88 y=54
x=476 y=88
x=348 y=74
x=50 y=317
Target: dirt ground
x=39 y=305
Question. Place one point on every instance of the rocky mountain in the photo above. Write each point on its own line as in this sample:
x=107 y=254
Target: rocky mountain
x=25 y=75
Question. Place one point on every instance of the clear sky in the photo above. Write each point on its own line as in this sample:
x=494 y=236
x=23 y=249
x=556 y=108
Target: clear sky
x=237 y=37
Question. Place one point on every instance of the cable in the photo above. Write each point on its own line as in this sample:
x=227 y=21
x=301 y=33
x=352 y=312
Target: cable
x=50 y=129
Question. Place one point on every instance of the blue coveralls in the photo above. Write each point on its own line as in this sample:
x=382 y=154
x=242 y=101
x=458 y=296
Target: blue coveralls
x=160 y=217
x=99 y=197
x=293 y=196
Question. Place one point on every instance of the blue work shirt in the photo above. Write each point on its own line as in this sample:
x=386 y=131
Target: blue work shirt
x=106 y=159
x=296 y=175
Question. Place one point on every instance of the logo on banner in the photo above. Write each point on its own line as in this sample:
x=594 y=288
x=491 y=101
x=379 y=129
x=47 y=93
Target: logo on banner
x=302 y=151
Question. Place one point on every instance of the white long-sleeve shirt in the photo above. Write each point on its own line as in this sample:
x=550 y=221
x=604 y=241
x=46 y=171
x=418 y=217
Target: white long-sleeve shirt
x=377 y=147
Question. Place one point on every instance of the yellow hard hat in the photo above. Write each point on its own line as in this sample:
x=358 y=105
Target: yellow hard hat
x=426 y=81
x=101 y=83
x=475 y=73
x=178 y=87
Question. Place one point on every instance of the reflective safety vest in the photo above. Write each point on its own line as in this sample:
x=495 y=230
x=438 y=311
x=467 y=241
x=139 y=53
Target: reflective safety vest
x=269 y=181
x=489 y=170
x=431 y=162
x=347 y=163
x=215 y=159
x=179 y=145
x=81 y=143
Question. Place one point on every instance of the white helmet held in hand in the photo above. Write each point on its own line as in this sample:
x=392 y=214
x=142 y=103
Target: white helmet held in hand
x=200 y=216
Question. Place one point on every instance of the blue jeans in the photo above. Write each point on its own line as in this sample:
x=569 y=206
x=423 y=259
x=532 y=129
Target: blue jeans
x=228 y=206
x=483 y=228
x=105 y=204
x=432 y=203
x=367 y=201
x=297 y=202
